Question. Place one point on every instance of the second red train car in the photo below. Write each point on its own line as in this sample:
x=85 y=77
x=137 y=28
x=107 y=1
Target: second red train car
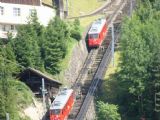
x=97 y=33
x=62 y=105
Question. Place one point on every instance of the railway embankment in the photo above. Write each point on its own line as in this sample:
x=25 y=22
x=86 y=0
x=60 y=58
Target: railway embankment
x=77 y=60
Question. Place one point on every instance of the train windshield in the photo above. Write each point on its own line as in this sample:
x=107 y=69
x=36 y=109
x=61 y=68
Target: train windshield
x=93 y=36
x=55 y=111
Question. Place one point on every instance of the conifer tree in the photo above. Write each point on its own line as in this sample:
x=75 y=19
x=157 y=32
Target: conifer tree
x=26 y=47
x=55 y=44
x=40 y=30
x=75 y=32
x=7 y=99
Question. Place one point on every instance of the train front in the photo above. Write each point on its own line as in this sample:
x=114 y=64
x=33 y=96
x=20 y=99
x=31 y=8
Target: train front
x=55 y=114
x=93 y=40
x=97 y=33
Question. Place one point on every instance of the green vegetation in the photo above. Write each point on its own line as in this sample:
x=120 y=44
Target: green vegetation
x=14 y=95
x=107 y=111
x=34 y=46
x=45 y=48
x=56 y=44
x=81 y=7
x=88 y=20
x=135 y=86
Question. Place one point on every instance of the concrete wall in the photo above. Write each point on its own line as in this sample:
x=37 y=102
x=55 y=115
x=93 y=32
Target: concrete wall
x=91 y=114
x=79 y=55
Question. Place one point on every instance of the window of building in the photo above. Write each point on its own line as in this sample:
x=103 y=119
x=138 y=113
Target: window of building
x=12 y=27
x=3 y=28
x=32 y=12
x=16 y=11
x=1 y=10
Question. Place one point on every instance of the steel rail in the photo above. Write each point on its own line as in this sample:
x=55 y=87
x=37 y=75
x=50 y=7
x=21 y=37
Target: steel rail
x=99 y=74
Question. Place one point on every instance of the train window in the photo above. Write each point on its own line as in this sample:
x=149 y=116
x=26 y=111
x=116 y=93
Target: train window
x=55 y=111
x=93 y=36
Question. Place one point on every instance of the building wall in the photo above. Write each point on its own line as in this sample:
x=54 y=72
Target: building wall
x=8 y=16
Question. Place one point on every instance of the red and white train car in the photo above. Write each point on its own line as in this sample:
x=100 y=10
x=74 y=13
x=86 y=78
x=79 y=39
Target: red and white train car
x=62 y=105
x=97 y=33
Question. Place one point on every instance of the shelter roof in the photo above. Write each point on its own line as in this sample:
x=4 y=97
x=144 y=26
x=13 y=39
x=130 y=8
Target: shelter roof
x=39 y=73
x=47 y=2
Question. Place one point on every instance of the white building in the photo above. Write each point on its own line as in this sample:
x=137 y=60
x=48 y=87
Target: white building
x=17 y=12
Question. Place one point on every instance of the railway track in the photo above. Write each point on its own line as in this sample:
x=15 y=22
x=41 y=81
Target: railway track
x=93 y=70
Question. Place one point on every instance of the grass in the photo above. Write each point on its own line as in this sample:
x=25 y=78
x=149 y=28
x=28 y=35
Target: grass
x=110 y=84
x=71 y=44
x=81 y=7
x=113 y=69
x=88 y=20
x=23 y=93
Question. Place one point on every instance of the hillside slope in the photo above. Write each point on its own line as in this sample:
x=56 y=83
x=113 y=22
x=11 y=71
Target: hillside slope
x=80 y=7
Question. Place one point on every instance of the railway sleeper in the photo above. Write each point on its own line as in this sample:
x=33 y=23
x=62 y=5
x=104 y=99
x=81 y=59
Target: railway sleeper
x=96 y=64
x=97 y=60
x=88 y=81
x=91 y=72
x=89 y=78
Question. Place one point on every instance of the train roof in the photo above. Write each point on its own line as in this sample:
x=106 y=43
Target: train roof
x=61 y=99
x=97 y=26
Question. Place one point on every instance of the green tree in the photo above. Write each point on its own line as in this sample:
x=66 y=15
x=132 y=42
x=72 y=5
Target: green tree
x=40 y=34
x=7 y=103
x=8 y=55
x=107 y=111
x=57 y=36
x=140 y=61
x=26 y=47
x=75 y=31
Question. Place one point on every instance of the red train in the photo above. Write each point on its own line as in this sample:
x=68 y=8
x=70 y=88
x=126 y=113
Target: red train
x=97 y=33
x=62 y=105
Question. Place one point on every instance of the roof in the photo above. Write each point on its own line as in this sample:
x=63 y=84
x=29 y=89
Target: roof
x=97 y=26
x=47 y=2
x=61 y=99
x=47 y=77
x=24 y=2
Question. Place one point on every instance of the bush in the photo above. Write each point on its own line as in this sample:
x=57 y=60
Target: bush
x=76 y=35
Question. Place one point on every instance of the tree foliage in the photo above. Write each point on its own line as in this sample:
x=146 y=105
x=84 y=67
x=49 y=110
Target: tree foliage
x=55 y=45
x=140 y=68
x=107 y=111
x=7 y=103
x=75 y=31
x=138 y=80
x=35 y=46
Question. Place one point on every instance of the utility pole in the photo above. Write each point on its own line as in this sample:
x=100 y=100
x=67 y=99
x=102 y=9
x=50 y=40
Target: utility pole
x=131 y=8
x=112 y=44
x=66 y=7
x=43 y=93
x=7 y=116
